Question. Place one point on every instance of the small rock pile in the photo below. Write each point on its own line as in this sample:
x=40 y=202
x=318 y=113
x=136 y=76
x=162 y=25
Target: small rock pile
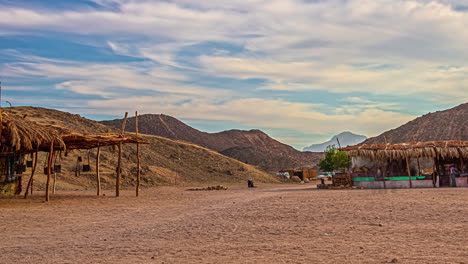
x=211 y=188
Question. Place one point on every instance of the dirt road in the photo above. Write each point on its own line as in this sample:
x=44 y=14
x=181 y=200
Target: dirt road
x=270 y=224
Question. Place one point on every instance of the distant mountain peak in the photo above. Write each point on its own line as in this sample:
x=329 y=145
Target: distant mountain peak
x=346 y=138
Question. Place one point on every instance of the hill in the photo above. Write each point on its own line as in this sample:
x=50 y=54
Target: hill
x=345 y=138
x=164 y=161
x=441 y=125
x=252 y=146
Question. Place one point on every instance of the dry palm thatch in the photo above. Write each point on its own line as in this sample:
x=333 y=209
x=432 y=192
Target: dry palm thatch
x=20 y=135
x=82 y=141
x=431 y=149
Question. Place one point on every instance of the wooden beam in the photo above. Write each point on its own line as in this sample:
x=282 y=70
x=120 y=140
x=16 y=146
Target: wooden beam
x=409 y=172
x=30 y=182
x=98 y=176
x=119 y=165
x=138 y=155
x=49 y=164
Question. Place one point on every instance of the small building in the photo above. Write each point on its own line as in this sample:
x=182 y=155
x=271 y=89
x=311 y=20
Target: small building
x=410 y=165
x=301 y=173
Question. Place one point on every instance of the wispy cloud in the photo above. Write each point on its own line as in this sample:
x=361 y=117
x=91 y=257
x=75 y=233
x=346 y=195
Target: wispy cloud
x=268 y=53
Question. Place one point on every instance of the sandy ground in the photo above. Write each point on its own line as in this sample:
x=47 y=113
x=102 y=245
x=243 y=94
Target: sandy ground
x=271 y=224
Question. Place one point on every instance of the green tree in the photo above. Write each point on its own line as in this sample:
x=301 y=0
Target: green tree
x=334 y=160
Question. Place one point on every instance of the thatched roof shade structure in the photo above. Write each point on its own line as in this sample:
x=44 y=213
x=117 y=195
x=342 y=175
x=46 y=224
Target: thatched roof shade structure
x=23 y=136
x=82 y=141
x=431 y=149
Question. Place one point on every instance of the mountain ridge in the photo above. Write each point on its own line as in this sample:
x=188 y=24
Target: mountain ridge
x=236 y=141
x=449 y=124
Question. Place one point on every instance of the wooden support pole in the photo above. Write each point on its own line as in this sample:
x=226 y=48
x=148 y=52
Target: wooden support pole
x=119 y=172
x=462 y=164
x=434 y=173
x=49 y=165
x=98 y=176
x=124 y=123
x=384 y=174
x=30 y=182
x=419 y=168
x=54 y=183
x=138 y=156
x=119 y=165
x=409 y=172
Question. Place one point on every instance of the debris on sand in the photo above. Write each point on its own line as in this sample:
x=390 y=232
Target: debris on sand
x=210 y=188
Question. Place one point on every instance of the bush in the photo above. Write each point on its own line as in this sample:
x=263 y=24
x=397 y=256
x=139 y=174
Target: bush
x=334 y=160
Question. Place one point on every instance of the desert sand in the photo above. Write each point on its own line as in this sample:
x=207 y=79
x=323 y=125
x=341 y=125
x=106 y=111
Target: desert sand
x=271 y=224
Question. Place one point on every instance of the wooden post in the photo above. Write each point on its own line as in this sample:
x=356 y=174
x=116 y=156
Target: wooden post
x=419 y=168
x=98 y=176
x=30 y=182
x=409 y=172
x=462 y=164
x=384 y=174
x=119 y=165
x=433 y=173
x=119 y=172
x=138 y=156
x=124 y=123
x=49 y=164
x=53 y=184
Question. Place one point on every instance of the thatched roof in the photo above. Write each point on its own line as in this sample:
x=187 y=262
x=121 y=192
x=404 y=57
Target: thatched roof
x=82 y=141
x=431 y=149
x=21 y=135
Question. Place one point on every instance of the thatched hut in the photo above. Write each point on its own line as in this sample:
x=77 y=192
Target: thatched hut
x=398 y=165
x=18 y=137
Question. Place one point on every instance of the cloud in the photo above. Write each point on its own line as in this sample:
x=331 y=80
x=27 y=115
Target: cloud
x=354 y=49
x=105 y=79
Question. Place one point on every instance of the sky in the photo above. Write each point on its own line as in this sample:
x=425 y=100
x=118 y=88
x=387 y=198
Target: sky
x=300 y=70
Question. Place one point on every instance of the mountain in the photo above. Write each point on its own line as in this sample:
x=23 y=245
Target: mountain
x=164 y=161
x=252 y=146
x=450 y=124
x=345 y=138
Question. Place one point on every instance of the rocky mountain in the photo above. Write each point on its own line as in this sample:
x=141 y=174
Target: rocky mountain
x=252 y=147
x=164 y=161
x=450 y=124
x=345 y=138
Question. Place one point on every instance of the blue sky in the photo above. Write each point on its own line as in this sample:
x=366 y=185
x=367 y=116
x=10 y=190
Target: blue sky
x=300 y=70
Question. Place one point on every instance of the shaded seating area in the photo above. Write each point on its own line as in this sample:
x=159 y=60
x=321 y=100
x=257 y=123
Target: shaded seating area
x=20 y=137
x=410 y=165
